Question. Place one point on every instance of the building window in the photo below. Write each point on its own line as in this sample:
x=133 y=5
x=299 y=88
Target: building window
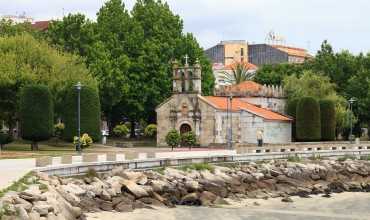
x=242 y=52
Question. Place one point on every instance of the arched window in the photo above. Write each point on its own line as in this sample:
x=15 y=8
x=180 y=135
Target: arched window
x=183 y=89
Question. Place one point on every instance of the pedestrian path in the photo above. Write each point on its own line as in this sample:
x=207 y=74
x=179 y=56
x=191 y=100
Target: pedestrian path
x=13 y=169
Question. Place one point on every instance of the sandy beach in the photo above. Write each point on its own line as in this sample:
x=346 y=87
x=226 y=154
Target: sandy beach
x=340 y=206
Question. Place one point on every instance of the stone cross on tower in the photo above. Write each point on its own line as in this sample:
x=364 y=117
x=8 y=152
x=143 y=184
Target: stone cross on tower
x=186 y=59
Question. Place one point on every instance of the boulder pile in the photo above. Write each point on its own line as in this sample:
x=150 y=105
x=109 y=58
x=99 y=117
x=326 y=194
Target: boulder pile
x=125 y=190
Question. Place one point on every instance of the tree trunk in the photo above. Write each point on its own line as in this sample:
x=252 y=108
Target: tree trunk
x=34 y=146
x=132 y=130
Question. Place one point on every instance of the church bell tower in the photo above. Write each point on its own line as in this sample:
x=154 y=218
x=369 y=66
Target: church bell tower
x=186 y=79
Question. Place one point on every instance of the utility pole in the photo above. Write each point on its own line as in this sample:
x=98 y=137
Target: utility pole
x=351 y=101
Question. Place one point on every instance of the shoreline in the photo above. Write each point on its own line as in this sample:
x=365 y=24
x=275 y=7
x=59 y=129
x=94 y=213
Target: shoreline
x=316 y=207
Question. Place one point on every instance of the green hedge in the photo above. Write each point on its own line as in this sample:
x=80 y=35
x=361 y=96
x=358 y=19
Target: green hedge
x=292 y=111
x=328 y=120
x=308 y=122
x=90 y=113
x=36 y=113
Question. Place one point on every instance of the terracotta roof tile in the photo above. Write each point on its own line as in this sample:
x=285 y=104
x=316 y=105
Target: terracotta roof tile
x=293 y=51
x=238 y=104
x=41 y=25
x=246 y=86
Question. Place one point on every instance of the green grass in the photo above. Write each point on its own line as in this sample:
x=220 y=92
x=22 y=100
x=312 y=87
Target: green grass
x=367 y=157
x=20 y=185
x=315 y=157
x=198 y=167
x=294 y=158
x=346 y=157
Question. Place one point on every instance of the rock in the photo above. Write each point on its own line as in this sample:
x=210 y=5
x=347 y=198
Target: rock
x=215 y=189
x=105 y=195
x=25 y=204
x=256 y=204
x=106 y=206
x=159 y=186
x=207 y=198
x=191 y=185
x=287 y=199
x=220 y=201
x=140 y=205
x=137 y=190
x=121 y=199
x=74 y=189
x=208 y=176
x=89 y=205
x=43 y=210
x=151 y=201
x=34 y=215
x=70 y=197
x=32 y=196
x=190 y=199
x=124 y=207
x=170 y=172
x=22 y=213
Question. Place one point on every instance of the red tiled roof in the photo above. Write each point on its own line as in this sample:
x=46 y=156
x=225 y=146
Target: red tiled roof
x=41 y=25
x=249 y=66
x=293 y=51
x=238 y=104
x=246 y=86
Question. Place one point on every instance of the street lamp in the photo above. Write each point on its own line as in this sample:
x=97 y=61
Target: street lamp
x=351 y=101
x=230 y=130
x=78 y=87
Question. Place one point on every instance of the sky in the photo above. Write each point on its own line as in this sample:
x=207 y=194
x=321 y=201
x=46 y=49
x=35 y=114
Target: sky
x=302 y=23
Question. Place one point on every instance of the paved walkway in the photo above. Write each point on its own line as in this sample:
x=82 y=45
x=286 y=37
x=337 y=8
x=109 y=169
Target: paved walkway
x=13 y=169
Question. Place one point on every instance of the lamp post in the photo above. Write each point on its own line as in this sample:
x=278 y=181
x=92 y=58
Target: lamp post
x=351 y=101
x=230 y=125
x=78 y=88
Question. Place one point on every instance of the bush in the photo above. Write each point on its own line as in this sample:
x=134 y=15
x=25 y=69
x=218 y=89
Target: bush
x=292 y=111
x=150 y=130
x=308 y=122
x=173 y=138
x=36 y=114
x=4 y=139
x=85 y=140
x=90 y=113
x=120 y=130
x=188 y=139
x=328 y=120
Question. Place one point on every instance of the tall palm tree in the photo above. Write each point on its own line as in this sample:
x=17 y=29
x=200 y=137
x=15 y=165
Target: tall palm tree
x=240 y=72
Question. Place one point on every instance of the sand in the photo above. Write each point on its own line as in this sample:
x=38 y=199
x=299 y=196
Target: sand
x=340 y=206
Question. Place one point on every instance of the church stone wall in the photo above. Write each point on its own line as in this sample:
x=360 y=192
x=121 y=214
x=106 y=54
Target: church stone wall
x=250 y=124
x=277 y=132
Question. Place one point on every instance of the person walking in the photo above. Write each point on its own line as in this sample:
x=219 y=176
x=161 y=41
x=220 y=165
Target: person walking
x=260 y=137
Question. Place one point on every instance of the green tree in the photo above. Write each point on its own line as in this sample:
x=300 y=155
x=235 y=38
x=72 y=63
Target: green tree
x=188 y=139
x=74 y=33
x=240 y=72
x=26 y=60
x=90 y=113
x=328 y=121
x=151 y=130
x=36 y=114
x=274 y=74
x=292 y=111
x=308 y=121
x=173 y=138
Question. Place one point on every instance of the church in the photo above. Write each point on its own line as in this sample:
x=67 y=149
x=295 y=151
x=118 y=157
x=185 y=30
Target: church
x=234 y=114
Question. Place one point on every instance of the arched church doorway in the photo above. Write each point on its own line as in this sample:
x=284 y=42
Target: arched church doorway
x=185 y=128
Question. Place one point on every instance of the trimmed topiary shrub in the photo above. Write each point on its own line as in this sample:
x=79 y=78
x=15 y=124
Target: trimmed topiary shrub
x=173 y=138
x=292 y=111
x=188 y=139
x=120 y=130
x=5 y=138
x=328 y=120
x=90 y=113
x=150 y=130
x=308 y=122
x=36 y=113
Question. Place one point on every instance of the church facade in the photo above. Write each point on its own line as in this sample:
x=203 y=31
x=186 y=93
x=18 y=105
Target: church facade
x=235 y=113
